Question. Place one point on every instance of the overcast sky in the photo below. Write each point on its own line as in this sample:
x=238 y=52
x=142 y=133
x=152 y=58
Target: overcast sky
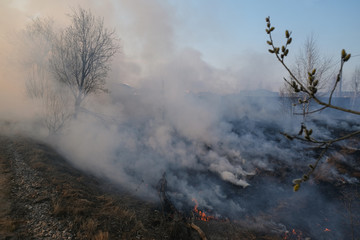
x=226 y=34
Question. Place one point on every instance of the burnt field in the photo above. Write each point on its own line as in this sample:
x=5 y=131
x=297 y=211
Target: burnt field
x=148 y=119
x=262 y=198
x=46 y=196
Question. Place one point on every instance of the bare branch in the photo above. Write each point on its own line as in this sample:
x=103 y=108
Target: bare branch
x=309 y=90
x=81 y=55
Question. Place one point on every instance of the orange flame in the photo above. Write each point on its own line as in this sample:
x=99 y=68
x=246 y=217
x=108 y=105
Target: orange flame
x=327 y=230
x=201 y=215
x=293 y=235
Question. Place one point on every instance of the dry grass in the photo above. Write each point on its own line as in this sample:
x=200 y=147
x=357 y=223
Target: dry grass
x=7 y=223
x=101 y=236
x=100 y=211
x=88 y=227
x=59 y=209
x=90 y=210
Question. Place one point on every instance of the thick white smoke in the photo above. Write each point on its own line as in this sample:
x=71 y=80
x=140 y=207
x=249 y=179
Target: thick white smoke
x=167 y=110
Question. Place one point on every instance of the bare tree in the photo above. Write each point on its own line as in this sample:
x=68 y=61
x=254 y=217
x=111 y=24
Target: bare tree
x=308 y=59
x=356 y=81
x=56 y=110
x=310 y=91
x=355 y=85
x=36 y=45
x=76 y=58
x=288 y=99
x=37 y=82
x=81 y=54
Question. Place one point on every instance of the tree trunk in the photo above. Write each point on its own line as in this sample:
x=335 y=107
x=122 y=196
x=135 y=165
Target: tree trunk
x=78 y=101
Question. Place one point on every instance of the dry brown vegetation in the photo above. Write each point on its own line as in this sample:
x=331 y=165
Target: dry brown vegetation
x=43 y=197
x=7 y=223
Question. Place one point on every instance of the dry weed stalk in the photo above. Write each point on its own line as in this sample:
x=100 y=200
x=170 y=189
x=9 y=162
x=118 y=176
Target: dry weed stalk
x=101 y=236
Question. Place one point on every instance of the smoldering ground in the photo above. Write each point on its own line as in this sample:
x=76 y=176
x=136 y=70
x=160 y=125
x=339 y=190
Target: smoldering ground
x=169 y=111
x=234 y=163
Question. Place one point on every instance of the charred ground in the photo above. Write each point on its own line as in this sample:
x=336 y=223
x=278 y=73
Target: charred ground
x=44 y=197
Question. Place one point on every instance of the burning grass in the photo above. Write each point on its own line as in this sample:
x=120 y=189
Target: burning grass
x=89 y=207
x=93 y=208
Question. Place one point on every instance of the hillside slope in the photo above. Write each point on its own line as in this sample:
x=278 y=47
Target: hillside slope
x=43 y=197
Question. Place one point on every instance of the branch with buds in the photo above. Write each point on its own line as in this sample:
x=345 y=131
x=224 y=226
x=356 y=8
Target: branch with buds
x=310 y=91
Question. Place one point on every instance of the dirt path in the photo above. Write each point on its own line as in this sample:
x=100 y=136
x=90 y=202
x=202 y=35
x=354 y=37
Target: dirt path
x=6 y=222
x=25 y=204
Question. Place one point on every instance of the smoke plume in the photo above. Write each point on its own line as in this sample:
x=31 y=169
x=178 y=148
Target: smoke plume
x=169 y=111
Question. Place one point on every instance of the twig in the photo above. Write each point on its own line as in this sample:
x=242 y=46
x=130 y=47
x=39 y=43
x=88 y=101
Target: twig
x=198 y=229
x=310 y=93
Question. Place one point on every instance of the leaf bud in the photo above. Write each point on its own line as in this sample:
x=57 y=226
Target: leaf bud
x=296 y=187
x=267 y=19
x=272 y=29
x=289 y=41
x=316 y=82
x=305 y=177
x=311 y=79
x=268 y=24
x=311 y=166
x=343 y=53
x=286 y=52
x=310 y=132
x=313 y=71
x=301 y=130
x=269 y=42
x=287 y=34
x=271 y=51
x=347 y=57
